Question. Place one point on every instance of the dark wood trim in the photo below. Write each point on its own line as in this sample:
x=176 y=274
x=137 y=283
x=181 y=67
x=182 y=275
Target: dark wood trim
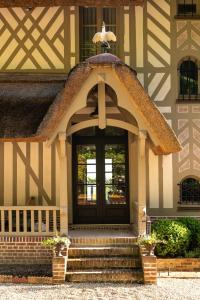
x=34 y=3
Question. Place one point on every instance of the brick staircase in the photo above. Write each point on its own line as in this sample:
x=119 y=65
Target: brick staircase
x=104 y=258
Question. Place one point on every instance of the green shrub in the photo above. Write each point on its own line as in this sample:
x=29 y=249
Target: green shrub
x=175 y=234
x=194 y=226
x=193 y=253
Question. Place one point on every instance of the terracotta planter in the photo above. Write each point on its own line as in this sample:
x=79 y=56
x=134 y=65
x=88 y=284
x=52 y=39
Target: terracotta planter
x=58 y=248
x=150 y=249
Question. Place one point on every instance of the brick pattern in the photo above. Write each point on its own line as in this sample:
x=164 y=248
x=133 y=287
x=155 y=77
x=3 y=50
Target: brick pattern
x=29 y=279
x=103 y=262
x=103 y=240
x=97 y=257
x=24 y=250
x=179 y=264
x=59 y=265
x=149 y=266
x=120 y=275
x=104 y=251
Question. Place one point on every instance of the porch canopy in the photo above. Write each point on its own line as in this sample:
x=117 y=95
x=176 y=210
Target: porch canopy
x=109 y=69
x=33 y=107
x=36 y=3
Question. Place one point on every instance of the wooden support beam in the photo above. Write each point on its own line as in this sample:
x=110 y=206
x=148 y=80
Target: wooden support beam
x=102 y=105
x=141 y=183
x=63 y=183
x=35 y=3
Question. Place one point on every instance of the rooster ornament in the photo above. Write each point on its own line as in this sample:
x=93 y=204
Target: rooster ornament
x=104 y=37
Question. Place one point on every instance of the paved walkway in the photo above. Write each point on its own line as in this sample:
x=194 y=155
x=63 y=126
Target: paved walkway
x=167 y=289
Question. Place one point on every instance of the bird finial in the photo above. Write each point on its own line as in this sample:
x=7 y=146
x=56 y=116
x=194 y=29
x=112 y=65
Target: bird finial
x=104 y=37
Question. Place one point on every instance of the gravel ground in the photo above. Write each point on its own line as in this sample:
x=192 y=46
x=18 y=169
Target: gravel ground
x=172 y=289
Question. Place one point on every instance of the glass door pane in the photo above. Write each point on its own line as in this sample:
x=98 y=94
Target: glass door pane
x=86 y=175
x=115 y=174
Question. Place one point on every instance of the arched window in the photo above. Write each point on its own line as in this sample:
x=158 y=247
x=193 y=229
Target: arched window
x=190 y=191
x=188 y=72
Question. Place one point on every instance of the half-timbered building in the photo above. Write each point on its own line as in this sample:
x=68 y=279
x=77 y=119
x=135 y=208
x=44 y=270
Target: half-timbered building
x=88 y=137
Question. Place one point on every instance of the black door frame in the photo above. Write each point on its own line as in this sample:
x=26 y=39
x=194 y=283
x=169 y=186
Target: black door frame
x=100 y=140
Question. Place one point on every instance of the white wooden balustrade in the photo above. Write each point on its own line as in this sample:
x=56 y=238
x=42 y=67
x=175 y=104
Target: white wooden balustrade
x=29 y=220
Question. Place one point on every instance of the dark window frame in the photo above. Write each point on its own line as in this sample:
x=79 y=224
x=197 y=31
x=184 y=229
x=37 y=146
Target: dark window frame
x=96 y=49
x=186 y=9
x=188 y=79
x=189 y=192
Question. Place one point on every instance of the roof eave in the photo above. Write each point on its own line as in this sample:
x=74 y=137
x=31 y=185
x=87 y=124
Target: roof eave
x=43 y=3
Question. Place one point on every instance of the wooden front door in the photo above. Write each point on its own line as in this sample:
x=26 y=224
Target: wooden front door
x=100 y=178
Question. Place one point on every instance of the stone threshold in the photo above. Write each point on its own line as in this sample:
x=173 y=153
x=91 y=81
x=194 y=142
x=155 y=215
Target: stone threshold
x=183 y=275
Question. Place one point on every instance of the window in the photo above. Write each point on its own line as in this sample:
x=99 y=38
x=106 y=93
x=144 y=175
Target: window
x=190 y=191
x=91 y=19
x=188 y=79
x=186 y=8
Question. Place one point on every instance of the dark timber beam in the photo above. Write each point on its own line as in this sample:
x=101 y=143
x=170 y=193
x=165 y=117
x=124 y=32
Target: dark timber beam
x=34 y=3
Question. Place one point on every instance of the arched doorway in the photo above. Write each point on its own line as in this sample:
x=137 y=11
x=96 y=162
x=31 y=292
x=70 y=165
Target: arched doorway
x=100 y=176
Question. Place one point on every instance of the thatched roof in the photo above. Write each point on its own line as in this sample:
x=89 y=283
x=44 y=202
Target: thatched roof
x=35 y=3
x=23 y=105
x=36 y=110
x=168 y=142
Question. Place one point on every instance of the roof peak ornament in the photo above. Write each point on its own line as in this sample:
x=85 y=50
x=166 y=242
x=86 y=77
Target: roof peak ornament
x=104 y=37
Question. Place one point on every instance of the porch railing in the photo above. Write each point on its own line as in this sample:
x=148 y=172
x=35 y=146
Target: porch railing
x=29 y=220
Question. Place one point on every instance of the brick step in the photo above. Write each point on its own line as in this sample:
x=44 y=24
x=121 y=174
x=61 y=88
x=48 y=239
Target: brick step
x=102 y=241
x=118 y=275
x=103 y=251
x=103 y=263
x=116 y=227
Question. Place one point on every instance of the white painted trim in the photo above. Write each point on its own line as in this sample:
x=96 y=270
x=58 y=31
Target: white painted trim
x=102 y=105
x=109 y=122
x=167 y=181
x=153 y=180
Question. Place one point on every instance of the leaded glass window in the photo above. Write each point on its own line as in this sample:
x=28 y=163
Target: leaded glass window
x=190 y=191
x=90 y=21
x=186 y=8
x=188 y=78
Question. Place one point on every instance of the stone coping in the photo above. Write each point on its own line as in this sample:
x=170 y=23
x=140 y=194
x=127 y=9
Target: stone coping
x=178 y=264
x=183 y=275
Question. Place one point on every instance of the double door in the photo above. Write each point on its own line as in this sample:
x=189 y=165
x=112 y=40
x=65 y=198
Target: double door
x=100 y=180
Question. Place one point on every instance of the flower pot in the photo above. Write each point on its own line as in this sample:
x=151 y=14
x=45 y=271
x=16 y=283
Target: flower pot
x=150 y=249
x=58 y=248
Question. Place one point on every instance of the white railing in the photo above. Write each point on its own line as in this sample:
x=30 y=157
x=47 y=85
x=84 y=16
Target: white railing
x=29 y=220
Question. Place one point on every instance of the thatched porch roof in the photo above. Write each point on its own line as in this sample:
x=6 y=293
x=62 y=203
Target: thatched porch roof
x=33 y=110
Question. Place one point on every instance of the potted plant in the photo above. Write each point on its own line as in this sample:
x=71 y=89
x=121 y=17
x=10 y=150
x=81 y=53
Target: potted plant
x=150 y=242
x=58 y=243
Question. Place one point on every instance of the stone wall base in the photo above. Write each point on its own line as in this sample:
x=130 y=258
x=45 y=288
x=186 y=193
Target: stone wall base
x=179 y=264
